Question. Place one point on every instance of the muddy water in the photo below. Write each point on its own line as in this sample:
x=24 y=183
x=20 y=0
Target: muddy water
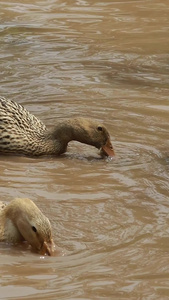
x=106 y=60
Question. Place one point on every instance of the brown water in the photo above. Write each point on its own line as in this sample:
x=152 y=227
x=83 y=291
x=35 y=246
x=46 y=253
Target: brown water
x=106 y=60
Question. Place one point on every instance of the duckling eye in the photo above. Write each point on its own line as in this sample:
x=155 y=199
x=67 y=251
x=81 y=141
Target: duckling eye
x=99 y=128
x=34 y=229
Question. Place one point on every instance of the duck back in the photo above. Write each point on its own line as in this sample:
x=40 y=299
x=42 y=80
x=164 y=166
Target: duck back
x=17 y=127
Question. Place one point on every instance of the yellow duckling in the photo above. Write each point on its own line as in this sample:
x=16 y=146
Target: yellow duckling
x=23 y=133
x=21 y=220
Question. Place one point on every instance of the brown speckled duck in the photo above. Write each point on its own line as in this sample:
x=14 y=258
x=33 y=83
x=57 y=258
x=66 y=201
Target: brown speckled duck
x=21 y=220
x=23 y=133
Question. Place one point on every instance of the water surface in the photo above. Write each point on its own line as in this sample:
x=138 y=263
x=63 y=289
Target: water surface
x=109 y=61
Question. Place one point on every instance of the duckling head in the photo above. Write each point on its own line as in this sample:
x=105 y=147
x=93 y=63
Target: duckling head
x=31 y=225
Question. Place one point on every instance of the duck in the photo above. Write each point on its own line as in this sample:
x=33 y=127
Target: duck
x=21 y=220
x=21 y=133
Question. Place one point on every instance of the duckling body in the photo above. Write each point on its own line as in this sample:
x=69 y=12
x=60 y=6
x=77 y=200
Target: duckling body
x=23 y=133
x=21 y=220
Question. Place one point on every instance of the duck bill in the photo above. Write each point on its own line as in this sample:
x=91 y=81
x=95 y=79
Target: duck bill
x=47 y=248
x=108 y=149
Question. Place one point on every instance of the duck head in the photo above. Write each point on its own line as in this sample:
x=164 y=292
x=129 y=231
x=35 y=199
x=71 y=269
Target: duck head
x=93 y=133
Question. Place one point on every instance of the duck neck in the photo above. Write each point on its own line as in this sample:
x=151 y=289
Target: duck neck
x=71 y=130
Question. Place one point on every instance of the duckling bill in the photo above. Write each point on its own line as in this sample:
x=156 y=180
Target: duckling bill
x=21 y=220
x=22 y=133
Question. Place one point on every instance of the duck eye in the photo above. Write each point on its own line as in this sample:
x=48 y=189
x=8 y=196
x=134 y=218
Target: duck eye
x=34 y=229
x=99 y=128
